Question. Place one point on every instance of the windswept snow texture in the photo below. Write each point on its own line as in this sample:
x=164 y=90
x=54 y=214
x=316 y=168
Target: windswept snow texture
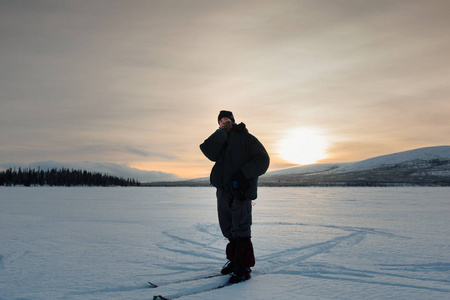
x=310 y=243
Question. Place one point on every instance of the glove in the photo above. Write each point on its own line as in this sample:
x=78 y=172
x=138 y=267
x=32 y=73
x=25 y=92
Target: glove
x=240 y=185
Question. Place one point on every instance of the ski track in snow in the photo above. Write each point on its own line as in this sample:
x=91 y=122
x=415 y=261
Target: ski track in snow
x=295 y=260
x=85 y=249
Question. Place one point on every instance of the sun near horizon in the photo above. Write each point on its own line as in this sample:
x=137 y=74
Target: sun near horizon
x=303 y=146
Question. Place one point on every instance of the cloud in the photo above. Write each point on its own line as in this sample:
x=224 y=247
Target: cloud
x=141 y=83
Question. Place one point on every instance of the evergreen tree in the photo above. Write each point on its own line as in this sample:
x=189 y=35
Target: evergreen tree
x=61 y=177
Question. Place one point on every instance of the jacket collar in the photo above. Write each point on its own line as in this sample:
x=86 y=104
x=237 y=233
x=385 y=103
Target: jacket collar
x=239 y=127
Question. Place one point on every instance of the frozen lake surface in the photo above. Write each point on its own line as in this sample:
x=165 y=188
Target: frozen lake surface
x=310 y=243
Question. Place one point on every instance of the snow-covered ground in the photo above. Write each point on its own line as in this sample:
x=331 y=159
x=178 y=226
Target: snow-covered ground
x=310 y=243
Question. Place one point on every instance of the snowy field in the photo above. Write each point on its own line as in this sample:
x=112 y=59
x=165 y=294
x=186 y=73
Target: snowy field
x=310 y=243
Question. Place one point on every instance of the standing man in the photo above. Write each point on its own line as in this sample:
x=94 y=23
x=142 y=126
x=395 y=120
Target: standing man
x=239 y=160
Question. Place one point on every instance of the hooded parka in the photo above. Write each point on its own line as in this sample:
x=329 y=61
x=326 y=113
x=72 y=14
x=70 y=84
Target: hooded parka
x=232 y=152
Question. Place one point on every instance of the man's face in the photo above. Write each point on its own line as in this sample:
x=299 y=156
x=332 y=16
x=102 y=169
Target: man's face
x=224 y=121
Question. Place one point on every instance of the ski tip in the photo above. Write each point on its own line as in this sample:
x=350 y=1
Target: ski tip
x=152 y=285
x=159 y=297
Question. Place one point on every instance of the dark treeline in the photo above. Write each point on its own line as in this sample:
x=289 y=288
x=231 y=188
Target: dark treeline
x=60 y=177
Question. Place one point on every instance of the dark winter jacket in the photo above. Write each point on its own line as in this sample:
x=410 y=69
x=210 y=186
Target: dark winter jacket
x=233 y=151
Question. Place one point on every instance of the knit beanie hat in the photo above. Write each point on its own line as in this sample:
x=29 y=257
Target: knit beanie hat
x=226 y=113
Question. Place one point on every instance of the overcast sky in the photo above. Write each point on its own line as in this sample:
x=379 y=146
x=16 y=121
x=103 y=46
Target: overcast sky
x=141 y=83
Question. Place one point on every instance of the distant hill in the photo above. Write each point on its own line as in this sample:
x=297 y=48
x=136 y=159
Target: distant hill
x=423 y=167
x=118 y=170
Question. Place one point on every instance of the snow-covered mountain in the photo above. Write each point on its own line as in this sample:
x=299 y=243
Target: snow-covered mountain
x=421 y=154
x=424 y=166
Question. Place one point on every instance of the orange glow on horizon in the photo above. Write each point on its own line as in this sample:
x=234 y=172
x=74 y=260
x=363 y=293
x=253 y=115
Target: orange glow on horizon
x=184 y=170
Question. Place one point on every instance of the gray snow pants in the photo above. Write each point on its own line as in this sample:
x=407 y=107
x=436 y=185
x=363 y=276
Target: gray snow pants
x=235 y=216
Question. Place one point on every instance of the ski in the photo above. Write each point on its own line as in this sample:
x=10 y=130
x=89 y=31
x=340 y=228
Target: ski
x=161 y=297
x=152 y=285
x=180 y=288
